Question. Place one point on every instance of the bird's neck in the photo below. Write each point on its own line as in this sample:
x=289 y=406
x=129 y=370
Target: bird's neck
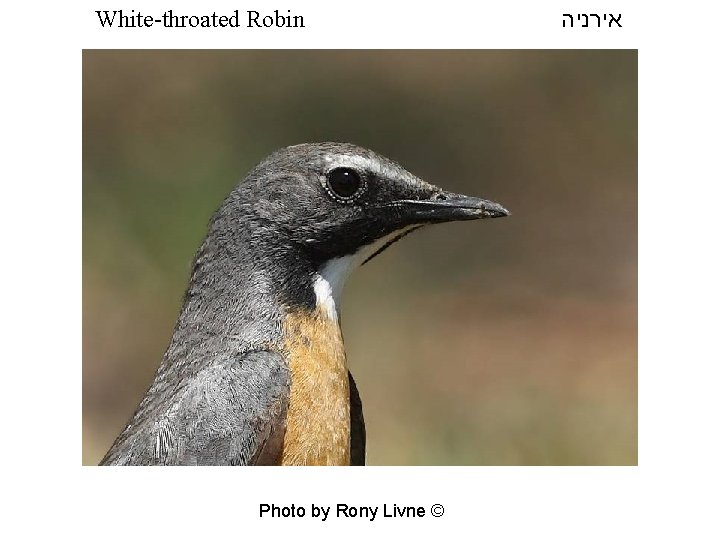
x=264 y=296
x=240 y=283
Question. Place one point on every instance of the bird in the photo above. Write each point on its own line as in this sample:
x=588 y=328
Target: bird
x=255 y=372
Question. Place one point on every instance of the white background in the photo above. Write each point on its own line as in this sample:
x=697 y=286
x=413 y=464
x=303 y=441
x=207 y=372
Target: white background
x=673 y=493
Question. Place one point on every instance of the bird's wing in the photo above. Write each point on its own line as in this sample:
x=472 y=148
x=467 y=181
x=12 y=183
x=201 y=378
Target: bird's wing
x=357 y=426
x=232 y=412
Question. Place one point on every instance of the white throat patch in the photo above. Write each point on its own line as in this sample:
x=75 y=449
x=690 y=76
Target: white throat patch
x=329 y=284
x=331 y=276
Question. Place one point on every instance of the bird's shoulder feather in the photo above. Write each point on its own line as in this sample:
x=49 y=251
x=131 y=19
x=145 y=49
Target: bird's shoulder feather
x=231 y=412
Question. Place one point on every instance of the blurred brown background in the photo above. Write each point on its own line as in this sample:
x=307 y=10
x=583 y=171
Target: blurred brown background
x=509 y=341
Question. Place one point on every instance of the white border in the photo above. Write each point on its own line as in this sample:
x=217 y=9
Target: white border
x=671 y=494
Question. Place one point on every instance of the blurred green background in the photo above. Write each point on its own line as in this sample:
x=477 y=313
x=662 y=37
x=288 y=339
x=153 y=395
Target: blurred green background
x=509 y=341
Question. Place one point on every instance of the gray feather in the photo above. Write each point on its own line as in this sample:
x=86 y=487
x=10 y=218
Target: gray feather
x=231 y=413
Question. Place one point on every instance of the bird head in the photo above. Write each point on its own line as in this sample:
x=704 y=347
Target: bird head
x=336 y=205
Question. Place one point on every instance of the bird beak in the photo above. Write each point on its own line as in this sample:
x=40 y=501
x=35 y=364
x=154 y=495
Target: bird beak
x=451 y=207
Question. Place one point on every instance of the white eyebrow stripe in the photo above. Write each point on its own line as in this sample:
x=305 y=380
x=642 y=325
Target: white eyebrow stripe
x=348 y=160
x=366 y=164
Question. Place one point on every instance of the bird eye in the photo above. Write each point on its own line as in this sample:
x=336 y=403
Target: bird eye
x=344 y=183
